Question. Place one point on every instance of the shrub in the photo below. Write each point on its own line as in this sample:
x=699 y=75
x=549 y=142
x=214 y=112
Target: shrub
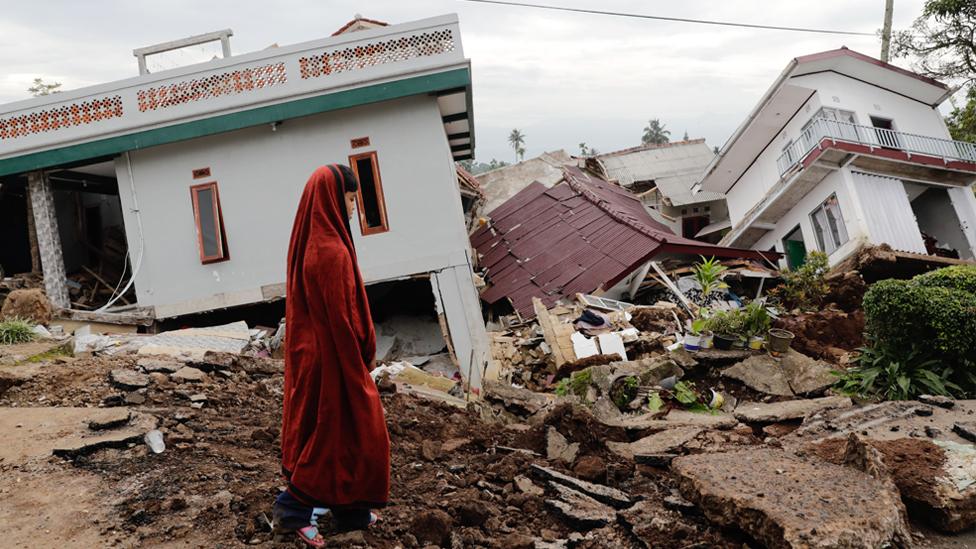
x=904 y=315
x=884 y=373
x=805 y=287
x=16 y=331
x=731 y=322
x=957 y=277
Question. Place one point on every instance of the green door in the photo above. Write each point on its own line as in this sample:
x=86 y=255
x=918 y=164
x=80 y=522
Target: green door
x=796 y=253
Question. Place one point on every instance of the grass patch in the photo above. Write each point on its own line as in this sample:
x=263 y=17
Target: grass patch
x=63 y=350
x=15 y=331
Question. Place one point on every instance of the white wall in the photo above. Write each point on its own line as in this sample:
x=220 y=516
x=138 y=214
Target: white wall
x=839 y=92
x=759 y=178
x=837 y=182
x=261 y=174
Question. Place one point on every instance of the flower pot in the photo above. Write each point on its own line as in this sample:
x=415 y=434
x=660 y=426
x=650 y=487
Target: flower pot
x=707 y=340
x=739 y=343
x=692 y=342
x=755 y=343
x=724 y=341
x=779 y=341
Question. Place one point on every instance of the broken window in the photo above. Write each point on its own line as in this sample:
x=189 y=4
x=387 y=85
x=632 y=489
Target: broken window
x=370 y=202
x=210 y=223
x=828 y=225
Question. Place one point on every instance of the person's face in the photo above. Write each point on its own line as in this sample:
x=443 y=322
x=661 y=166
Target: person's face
x=350 y=204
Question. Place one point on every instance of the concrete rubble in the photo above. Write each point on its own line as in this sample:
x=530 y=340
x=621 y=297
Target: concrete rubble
x=647 y=446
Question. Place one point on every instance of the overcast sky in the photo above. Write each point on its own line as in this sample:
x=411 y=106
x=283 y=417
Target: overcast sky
x=561 y=78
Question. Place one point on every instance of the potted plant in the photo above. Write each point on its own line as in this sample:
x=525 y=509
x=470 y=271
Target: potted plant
x=757 y=323
x=724 y=325
x=708 y=274
x=699 y=327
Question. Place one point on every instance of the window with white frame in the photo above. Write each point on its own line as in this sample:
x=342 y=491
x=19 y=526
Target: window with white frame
x=828 y=225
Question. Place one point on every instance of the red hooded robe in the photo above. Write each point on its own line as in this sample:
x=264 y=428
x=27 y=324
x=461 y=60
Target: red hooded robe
x=334 y=444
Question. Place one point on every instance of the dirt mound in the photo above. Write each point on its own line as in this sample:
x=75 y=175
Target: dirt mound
x=845 y=290
x=32 y=305
x=655 y=319
x=827 y=334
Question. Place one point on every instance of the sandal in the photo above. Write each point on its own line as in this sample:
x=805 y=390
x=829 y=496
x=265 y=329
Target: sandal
x=311 y=536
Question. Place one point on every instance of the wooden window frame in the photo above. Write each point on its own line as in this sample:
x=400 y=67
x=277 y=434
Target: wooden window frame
x=224 y=254
x=380 y=197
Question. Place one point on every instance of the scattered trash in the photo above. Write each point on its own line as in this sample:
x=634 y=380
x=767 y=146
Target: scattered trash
x=154 y=439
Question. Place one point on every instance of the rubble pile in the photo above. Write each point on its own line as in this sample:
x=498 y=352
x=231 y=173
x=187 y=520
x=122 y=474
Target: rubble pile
x=598 y=428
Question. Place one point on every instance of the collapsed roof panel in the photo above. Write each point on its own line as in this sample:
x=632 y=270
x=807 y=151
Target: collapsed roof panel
x=581 y=235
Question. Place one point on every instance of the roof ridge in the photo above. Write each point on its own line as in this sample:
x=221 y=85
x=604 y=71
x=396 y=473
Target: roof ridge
x=652 y=146
x=587 y=193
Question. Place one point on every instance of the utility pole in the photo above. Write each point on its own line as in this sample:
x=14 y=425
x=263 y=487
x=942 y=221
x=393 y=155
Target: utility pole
x=886 y=30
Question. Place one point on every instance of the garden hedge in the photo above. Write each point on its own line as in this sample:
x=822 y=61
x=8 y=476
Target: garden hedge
x=935 y=312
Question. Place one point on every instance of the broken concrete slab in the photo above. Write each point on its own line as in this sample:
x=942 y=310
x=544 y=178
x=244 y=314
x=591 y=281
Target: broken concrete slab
x=40 y=432
x=651 y=448
x=756 y=490
x=965 y=429
x=526 y=486
x=516 y=400
x=790 y=375
x=579 y=510
x=558 y=448
x=192 y=343
x=650 y=523
x=189 y=374
x=128 y=379
x=773 y=412
x=159 y=364
x=937 y=400
x=885 y=421
x=608 y=414
x=603 y=494
x=936 y=479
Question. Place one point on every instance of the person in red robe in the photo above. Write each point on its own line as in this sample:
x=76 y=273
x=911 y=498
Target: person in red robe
x=335 y=449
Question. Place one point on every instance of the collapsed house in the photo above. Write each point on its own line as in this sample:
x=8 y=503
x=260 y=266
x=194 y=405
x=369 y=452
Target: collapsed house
x=583 y=235
x=845 y=150
x=662 y=176
x=202 y=167
x=503 y=183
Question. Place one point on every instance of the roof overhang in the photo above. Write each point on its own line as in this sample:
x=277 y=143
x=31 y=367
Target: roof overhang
x=762 y=126
x=786 y=96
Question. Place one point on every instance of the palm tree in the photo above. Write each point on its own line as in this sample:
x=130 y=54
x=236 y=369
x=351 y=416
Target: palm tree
x=516 y=139
x=583 y=149
x=655 y=133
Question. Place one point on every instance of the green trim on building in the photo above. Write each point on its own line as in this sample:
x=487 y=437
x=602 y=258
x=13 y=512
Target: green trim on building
x=234 y=121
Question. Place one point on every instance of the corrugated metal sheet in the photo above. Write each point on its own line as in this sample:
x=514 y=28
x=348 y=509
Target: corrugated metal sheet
x=580 y=235
x=889 y=213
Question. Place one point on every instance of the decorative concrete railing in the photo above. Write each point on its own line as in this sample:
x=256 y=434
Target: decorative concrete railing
x=271 y=76
x=822 y=128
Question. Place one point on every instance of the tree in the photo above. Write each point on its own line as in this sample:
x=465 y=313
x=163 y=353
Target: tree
x=962 y=120
x=941 y=40
x=685 y=138
x=516 y=139
x=481 y=167
x=655 y=133
x=42 y=88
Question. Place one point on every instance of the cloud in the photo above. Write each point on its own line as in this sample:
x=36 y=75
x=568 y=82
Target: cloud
x=562 y=78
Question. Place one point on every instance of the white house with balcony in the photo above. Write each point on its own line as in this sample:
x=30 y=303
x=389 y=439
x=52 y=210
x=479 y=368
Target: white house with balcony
x=843 y=150
x=204 y=166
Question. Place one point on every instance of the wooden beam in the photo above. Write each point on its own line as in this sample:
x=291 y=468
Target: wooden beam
x=548 y=331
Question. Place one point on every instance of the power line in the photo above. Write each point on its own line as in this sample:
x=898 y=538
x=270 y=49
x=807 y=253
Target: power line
x=675 y=19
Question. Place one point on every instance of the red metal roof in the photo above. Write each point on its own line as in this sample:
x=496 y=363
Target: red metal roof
x=468 y=180
x=582 y=234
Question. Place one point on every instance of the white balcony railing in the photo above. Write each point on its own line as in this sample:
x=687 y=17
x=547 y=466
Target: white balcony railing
x=822 y=128
x=267 y=77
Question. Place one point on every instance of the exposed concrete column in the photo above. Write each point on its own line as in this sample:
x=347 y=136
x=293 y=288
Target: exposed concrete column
x=48 y=239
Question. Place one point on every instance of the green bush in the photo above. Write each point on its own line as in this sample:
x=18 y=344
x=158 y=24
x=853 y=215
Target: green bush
x=958 y=277
x=805 y=287
x=939 y=321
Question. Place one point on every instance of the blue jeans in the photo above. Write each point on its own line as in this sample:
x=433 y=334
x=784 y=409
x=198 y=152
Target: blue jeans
x=291 y=514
